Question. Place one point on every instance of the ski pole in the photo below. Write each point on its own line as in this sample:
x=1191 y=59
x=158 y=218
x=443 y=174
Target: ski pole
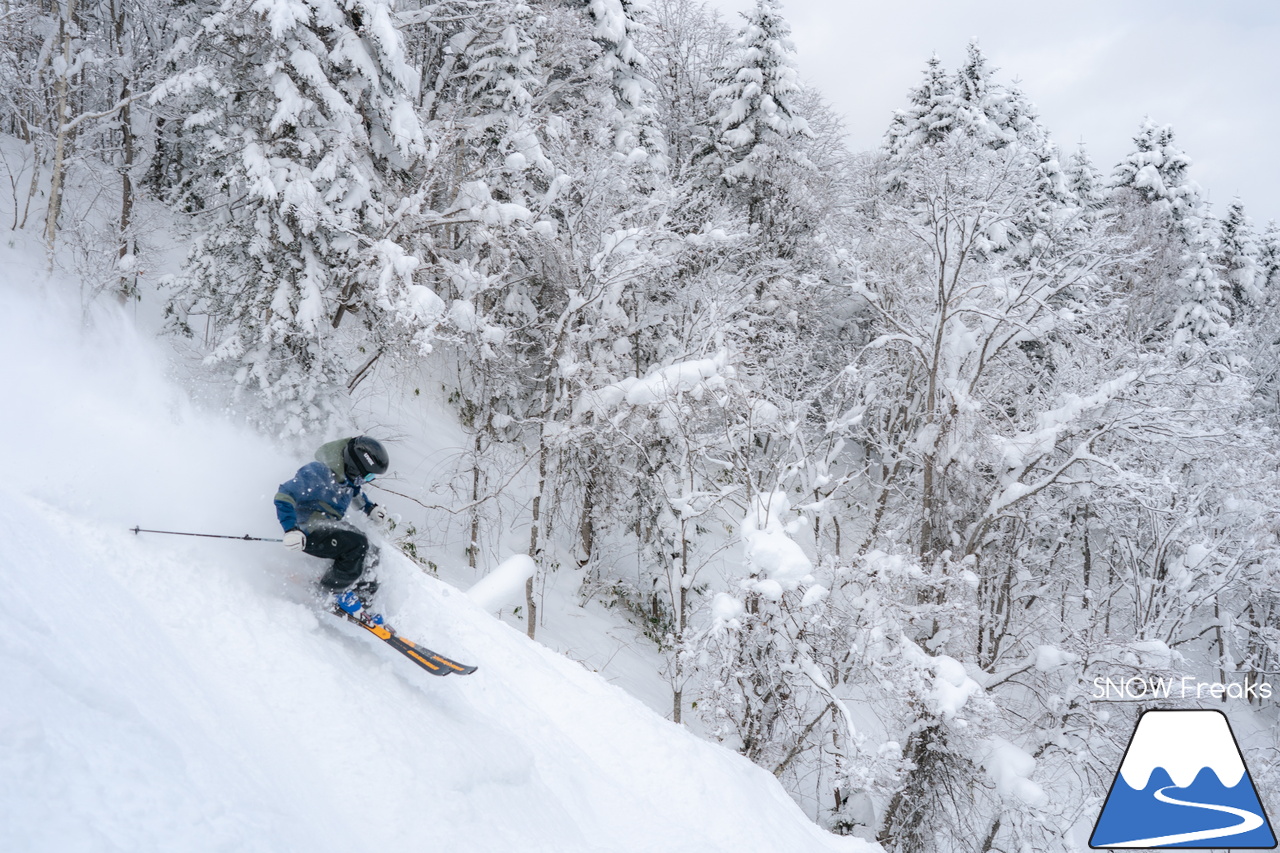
x=246 y=537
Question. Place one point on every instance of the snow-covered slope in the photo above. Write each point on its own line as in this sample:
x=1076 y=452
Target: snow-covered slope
x=166 y=693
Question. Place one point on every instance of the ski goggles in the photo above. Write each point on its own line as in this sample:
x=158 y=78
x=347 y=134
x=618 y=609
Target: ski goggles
x=368 y=478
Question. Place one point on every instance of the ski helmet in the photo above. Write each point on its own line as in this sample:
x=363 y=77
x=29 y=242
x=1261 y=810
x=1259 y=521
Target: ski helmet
x=363 y=457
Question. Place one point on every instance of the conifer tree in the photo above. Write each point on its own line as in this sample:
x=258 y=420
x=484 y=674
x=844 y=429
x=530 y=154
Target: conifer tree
x=1156 y=170
x=503 y=77
x=930 y=115
x=1264 y=357
x=1085 y=181
x=999 y=116
x=1180 y=233
x=1237 y=260
x=1203 y=310
x=760 y=127
x=304 y=110
x=985 y=109
x=616 y=24
x=1269 y=261
x=972 y=109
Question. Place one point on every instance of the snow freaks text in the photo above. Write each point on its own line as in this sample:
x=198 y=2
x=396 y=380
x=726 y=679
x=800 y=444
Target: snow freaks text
x=1139 y=687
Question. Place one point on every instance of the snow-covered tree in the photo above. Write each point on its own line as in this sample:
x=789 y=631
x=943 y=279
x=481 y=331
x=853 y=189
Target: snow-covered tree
x=686 y=44
x=1259 y=262
x=1237 y=260
x=1085 y=181
x=988 y=114
x=616 y=24
x=503 y=130
x=72 y=75
x=1203 y=309
x=1269 y=261
x=305 y=113
x=991 y=112
x=760 y=128
x=929 y=117
x=1157 y=171
x=557 y=232
x=1163 y=211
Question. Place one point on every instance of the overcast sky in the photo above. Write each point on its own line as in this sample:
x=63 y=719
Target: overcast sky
x=1210 y=68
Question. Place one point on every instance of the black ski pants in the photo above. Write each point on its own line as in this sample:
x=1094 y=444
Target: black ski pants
x=342 y=543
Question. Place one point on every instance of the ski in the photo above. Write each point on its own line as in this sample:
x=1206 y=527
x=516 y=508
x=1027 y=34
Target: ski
x=433 y=662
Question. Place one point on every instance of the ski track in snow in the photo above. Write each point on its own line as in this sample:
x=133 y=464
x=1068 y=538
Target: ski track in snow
x=1248 y=822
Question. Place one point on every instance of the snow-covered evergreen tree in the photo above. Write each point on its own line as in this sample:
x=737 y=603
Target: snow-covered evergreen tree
x=305 y=113
x=1085 y=181
x=1157 y=171
x=760 y=127
x=994 y=113
x=987 y=115
x=502 y=78
x=1237 y=260
x=1204 y=309
x=1269 y=261
x=1260 y=318
x=1152 y=185
x=616 y=24
x=929 y=117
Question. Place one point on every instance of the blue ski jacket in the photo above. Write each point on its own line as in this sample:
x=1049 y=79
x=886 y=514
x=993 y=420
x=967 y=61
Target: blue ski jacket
x=320 y=491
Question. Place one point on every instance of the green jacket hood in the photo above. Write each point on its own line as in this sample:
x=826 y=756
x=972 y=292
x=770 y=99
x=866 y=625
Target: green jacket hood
x=330 y=454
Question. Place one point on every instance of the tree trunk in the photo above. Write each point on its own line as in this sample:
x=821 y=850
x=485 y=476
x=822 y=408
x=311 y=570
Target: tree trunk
x=126 y=288
x=33 y=188
x=587 y=526
x=535 y=542
x=473 y=543
x=681 y=619
x=61 y=91
x=926 y=508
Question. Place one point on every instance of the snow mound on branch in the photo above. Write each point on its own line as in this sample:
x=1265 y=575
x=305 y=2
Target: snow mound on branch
x=677 y=378
x=777 y=562
x=951 y=687
x=504 y=584
x=726 y=611
x=475 y=199
x=1010 y=768
x=695 y=376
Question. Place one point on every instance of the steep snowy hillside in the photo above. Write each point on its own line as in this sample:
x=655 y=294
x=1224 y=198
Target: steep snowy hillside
x=165 y=693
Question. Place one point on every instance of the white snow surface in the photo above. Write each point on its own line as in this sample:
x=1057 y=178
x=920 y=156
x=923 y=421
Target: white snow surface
x=166 y=693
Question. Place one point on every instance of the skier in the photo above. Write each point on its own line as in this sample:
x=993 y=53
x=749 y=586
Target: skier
x=311 y=507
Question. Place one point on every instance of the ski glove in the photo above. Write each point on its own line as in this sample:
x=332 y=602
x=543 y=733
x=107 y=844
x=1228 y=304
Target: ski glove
x=295 y=540
x=377 y=514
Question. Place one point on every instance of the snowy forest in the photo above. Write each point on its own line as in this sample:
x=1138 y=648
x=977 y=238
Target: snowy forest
x=884 y=455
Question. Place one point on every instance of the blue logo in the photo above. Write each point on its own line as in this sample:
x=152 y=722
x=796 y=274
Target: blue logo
x=1183 y=783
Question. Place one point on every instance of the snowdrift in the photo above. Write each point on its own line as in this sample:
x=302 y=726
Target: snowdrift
x=163 y=693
